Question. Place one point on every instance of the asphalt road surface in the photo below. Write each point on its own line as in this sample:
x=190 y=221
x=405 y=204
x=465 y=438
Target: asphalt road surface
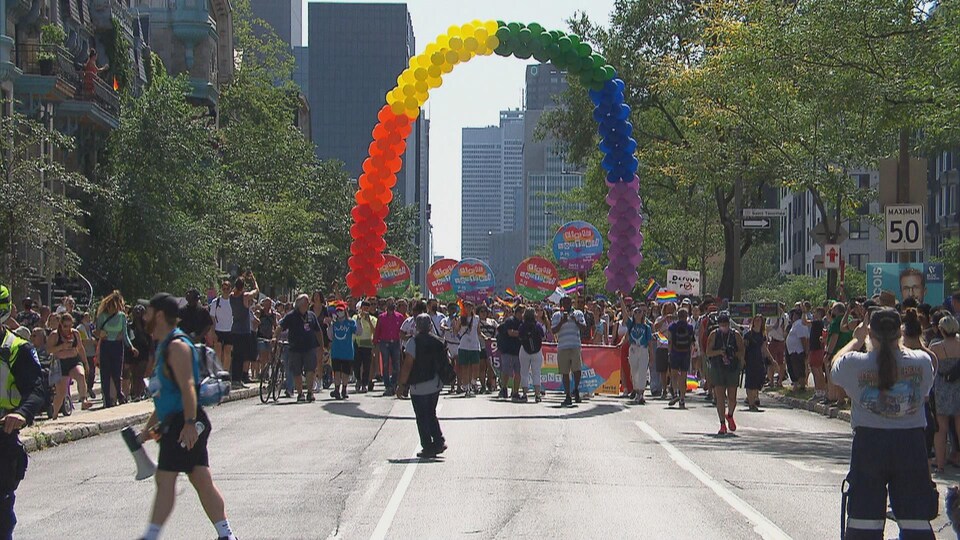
x=347 y=470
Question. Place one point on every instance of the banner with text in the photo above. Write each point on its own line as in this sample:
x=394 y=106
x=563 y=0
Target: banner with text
x=394 y=276
x=438 y=280
x=601 y=368
x=577 y=246
x=683 y=282
x=473 y=280
x=536 y=278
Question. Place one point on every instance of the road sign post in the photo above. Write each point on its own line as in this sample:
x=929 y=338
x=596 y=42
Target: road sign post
x=764 y=213
x=831 y=257
x=755 y=223
x=904 y=227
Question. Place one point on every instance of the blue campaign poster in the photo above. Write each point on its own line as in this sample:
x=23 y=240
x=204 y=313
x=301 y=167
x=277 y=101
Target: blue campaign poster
x=923 y=281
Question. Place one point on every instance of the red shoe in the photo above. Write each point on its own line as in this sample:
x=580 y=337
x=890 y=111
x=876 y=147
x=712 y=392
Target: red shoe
x=731 y=423
x=723 y=429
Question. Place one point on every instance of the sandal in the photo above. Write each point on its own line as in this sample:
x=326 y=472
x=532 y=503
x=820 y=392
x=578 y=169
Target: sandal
x=87 y=404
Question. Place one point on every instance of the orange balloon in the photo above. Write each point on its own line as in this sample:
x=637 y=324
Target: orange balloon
x=380 y=132
x=364 y=181
x=395 y=165
x=387 y=197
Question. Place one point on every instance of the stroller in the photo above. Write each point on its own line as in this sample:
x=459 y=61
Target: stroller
x=50 y=367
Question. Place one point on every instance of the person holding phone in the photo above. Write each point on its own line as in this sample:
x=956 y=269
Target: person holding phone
x=567 y=324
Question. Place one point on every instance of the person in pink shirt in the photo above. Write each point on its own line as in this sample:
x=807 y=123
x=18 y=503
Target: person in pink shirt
x=387 y=338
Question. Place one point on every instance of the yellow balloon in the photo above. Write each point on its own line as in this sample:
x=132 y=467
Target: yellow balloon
x=421 y=86
x=431 y=48
x=456 y=43
x=408 y=77
x=411 y=102
x=434 y=82
x=434 y=72
x=398 y=107
x=443 y=41
x=493 y=42
x=453 y=31
x=446 y=67
x=482 y=50
x=492 y=27
x=420 y=74
x=470 y=44
x=412 y=112
x=422 y=98
x=467 y=30
x=400 y=79
x=453 y=58
x=481 y=34
x=437 y=59
x=465 y=55
x=409 y=90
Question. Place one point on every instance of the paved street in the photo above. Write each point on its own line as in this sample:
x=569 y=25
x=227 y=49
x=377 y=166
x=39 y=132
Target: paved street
x=345 y=470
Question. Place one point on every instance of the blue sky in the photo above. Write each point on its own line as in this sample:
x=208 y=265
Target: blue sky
x=475 y=92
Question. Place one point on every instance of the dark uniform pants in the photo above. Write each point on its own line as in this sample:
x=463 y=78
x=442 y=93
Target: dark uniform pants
x=13 y=467
x=894 y=460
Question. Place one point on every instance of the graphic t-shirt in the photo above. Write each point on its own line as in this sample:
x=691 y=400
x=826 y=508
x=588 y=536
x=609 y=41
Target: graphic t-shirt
x=343 y=332
x=900 y=407
x=640 y=333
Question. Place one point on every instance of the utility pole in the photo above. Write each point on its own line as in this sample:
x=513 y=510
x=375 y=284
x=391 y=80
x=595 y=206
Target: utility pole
x=903 y=180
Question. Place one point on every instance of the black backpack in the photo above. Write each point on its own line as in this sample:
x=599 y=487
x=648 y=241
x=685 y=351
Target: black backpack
x=532 y=337
x=683 y=337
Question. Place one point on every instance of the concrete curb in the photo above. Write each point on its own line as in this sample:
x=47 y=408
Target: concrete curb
x=812 y=406
x=42 y=439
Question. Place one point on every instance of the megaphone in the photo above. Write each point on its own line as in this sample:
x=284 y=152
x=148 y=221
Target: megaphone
x=145 y=466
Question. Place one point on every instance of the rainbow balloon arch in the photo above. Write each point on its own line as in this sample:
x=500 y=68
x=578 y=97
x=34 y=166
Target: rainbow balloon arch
x=461 y=44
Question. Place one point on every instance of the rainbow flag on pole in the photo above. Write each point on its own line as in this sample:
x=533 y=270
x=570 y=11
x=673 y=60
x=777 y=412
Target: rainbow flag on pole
x=571 y=285
x=650 y=291
x=666 y=296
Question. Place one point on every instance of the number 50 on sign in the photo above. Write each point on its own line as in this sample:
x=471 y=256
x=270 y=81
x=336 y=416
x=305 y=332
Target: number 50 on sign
x=904 y=227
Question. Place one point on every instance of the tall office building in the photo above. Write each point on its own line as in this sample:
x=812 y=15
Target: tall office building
x=419 y=194
x=356 y=53
x=301 y=70
x=546 y=174
x=491 y=175
x=284 y=16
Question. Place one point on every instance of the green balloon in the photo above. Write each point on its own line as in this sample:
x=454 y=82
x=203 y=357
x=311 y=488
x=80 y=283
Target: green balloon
x=503 y=34
x=609 y=72
x=597 y=85
x=575 y=39
x=586 y=79
x=536 y=28
x=558 y=61
x=586 y=64
x=556 y=34
x=541 y=56
x=514 y=27
x=501 y=23
x=525 y=36
x=553 y=50
x=598 y=74
x=523 y=52
x=565 y=43
x=585 y=50
x=505 y=49
x=598 y=60
x=573 y=61
x=545 y=39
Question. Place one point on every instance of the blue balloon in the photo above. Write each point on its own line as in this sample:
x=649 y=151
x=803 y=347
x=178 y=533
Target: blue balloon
x=598 y=116
x=605 y=146
x=595 y=96
x=630 y=146
x=618 y=82
x=627 y=129
x=624 y=112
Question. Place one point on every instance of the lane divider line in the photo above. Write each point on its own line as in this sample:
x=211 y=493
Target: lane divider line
x=761 y=525
x=390 y=512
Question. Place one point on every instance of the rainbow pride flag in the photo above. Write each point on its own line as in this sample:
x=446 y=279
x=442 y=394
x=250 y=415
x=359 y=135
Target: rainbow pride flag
x=650 y=291
x=571 y=285
x=662 y=339
x=666 y=296
x=511 y=293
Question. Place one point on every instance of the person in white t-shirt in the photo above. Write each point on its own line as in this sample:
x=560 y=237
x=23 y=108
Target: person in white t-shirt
x=451 y=339
x=468 y=351
x=798 y=346
x=222 y=315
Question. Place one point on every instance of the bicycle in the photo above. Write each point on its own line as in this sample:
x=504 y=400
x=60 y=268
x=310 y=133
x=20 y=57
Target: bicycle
x=274 y=375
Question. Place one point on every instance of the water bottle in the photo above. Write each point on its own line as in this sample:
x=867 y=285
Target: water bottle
x=200 y=429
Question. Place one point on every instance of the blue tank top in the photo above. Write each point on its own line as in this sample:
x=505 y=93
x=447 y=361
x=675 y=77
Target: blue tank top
x=167 y=398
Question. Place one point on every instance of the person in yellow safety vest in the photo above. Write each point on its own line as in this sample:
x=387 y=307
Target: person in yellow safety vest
x=21 y=397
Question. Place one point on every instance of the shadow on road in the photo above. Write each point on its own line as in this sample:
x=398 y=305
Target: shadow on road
x=353 y=410
x=833 y=448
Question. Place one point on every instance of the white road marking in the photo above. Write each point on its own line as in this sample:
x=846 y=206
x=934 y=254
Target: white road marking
x=383 y=526
x=761 y=525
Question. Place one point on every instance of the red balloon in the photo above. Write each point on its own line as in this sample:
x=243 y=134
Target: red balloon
x=356 y=212
x=378 y=227
x=355 y=248
x=368 y=165
x=353 y=280
x=395 y=165
x=378 y=243
x=378 y=162
x=360 y=198
x=356 y=231
x=380 y=132
x=385 y=114
x=374 y=149
x=386 y=197
x=394 y=139
x=405 y=130
x=390 y=182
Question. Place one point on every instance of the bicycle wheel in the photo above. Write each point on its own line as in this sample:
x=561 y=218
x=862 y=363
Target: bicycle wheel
x=265 y=385
x=279 y=379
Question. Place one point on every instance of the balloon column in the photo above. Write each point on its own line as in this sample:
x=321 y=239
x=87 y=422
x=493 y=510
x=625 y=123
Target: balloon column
x=461 y=44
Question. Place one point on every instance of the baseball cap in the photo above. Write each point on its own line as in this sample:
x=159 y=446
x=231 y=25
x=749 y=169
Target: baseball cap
x=165 y=303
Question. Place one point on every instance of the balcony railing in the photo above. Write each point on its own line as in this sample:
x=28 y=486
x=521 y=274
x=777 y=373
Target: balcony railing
x=100 y=93
x=30 y=60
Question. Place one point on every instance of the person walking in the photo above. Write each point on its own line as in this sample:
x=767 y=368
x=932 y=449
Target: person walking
x=420 y=379
x=65 y=345
x=341 y=332
x=222 y=315
x=642 y=349
x=567 y=324
x=531 y=354
x=366 y=324
x=183 y=426
x=386 y=336
x=725 y=352
x=303 y=338
x=113 y=337
x=22 y=395
x=680 y=340
x=467 y=327
x=887 y=387
x=756 y=351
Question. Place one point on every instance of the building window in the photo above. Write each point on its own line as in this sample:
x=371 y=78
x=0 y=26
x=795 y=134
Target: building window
x=859 y=229
x=859 y=261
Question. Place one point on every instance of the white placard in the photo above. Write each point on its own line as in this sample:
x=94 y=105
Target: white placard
x=904 y=227
x=831 y=257
x=684 y=282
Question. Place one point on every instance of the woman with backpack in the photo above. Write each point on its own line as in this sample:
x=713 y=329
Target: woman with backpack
x=531 y=354
x=113 y=339
x=420 y=378
x=887 y=387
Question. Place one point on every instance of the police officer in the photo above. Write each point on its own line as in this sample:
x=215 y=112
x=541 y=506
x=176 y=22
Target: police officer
x=21 y=398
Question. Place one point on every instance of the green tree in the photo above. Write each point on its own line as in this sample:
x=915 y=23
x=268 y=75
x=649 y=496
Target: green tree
x=40 y=200
x=157 y=230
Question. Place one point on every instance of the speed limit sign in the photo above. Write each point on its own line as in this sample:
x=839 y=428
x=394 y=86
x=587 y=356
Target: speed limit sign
x=904 y=227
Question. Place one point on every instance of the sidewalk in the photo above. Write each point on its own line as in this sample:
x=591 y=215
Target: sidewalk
x=83 y=424
x=812 y=406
